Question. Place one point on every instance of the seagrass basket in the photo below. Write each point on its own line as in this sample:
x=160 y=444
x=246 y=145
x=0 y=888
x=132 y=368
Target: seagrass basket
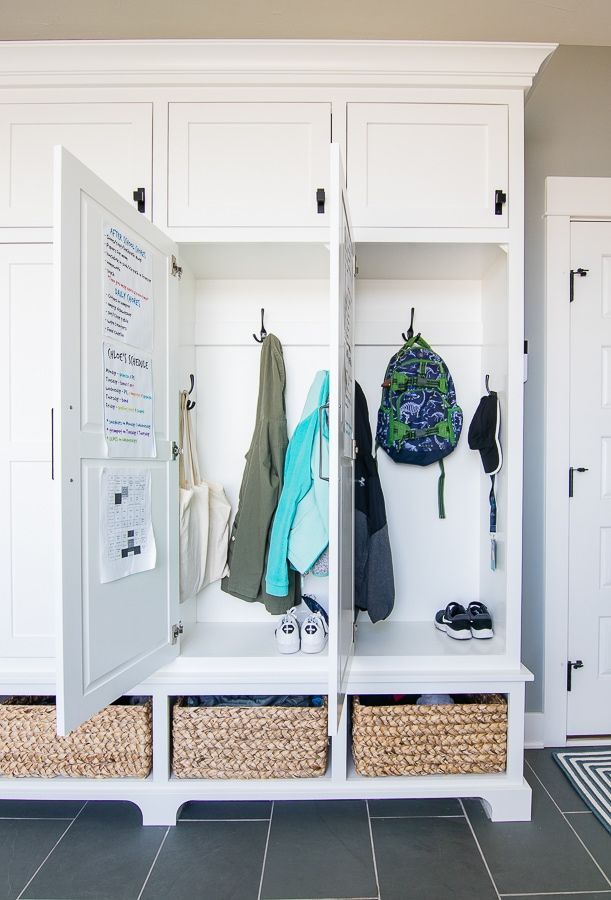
x=116 y=742
x=249 y=742
x=467 y=737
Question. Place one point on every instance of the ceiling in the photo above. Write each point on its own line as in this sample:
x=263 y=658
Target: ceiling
x=561 y=21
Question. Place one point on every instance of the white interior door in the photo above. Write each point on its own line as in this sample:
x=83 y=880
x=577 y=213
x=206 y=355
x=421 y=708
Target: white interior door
x=589 y=642
x=114 y=482
x=341 y=444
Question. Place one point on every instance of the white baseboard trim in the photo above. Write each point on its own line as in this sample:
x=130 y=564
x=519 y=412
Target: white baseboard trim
x=533 y=731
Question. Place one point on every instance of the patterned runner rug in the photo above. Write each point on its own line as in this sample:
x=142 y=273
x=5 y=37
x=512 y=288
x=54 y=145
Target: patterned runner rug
x=589 y=771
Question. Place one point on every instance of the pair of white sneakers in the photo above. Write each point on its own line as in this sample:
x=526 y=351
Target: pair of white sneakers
x=310 y=637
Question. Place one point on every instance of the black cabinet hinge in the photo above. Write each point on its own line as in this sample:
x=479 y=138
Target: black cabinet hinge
x=320 y=200
x=139 y=198
x=500 y=198
x=578 y=664
x=581 y=273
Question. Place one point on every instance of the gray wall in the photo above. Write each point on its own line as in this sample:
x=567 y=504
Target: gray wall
x=568 y=132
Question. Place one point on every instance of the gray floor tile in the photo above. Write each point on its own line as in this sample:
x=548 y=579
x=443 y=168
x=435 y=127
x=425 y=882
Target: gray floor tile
x=599 y=895
x=596 y=838
x=415 y=808
x=226 y=809
x=538 y=856
x=105 y=854
x=422 y=859
x=39 y=809
x=209 y=861
x=319 y=850
x=557 y=784
x=23 y=846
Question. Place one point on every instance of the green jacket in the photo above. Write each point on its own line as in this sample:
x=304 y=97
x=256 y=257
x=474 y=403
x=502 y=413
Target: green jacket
x=260 y=490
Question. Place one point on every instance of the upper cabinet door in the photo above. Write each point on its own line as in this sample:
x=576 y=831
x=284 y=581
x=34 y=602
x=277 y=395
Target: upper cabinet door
x=116 y=414
x=427 y=165
x=247 y=164
x=113 y=139
x=341 y=445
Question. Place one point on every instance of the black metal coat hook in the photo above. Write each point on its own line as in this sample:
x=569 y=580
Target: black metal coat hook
x=191 y=403
x=260 y=340
x=410 y=330
x=488 y=384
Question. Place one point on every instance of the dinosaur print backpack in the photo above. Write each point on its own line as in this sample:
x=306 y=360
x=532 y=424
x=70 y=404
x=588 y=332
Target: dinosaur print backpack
x=419 y=420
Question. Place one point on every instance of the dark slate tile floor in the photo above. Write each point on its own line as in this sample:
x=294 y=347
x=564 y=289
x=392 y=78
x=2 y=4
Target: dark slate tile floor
x=333 y=850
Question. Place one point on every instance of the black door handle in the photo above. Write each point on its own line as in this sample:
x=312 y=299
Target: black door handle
x=571 y=471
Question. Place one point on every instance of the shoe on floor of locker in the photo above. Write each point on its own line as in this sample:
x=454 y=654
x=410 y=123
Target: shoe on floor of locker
x=313 y=634
x=287 y=633
x=455 y=621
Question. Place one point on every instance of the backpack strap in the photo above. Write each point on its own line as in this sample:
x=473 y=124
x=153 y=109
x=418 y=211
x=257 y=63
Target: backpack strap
x=440 y=487
x=399 y=431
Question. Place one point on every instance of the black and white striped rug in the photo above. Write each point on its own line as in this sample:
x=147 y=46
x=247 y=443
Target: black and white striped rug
x=589 y=771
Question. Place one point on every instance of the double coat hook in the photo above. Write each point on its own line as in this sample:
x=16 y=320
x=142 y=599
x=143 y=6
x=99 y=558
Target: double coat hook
x=263 y=332
x=410 y=330
x=191 y=403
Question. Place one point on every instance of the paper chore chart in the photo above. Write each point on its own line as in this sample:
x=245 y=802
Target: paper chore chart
x=127 y=542
x=128 y=288
x=128 y=402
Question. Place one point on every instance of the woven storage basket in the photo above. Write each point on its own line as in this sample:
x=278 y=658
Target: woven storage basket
x=118 y=741
x=249 y=742
x=465 y=737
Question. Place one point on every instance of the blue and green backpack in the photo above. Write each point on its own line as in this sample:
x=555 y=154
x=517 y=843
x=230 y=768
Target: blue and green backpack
x=419 y=420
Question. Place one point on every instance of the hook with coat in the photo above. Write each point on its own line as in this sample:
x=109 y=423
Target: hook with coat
x=263 y=332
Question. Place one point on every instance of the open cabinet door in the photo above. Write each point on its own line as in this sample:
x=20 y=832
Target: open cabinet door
x=341 y=444
x=115 y=417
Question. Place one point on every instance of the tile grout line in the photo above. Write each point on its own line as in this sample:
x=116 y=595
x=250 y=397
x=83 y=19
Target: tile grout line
x=590 y=854
x=457 y=816
x=269 y=831
x=36 y=818
x=186 y=821
x=479 y=847
x=559 y=894
x=58 y=841
x=148 y=875
x=373 y=849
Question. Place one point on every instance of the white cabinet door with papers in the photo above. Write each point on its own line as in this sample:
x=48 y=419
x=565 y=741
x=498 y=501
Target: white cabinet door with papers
x=341 y=445
x=117 y=495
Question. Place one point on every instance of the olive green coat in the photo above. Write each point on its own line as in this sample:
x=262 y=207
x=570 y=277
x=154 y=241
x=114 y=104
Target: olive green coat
x=260 y=490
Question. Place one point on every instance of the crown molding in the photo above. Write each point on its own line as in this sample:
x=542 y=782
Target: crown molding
x=193 y=62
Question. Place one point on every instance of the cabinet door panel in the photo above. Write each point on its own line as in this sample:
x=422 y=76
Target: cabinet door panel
x=113 y=139
x=426 y=164
x=341 y=447
x=247 y=164
x=114 y=626
x=26 y=520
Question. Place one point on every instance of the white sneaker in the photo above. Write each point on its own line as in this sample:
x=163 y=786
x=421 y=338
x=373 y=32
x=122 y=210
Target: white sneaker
x=287 y=633
x=313 y=634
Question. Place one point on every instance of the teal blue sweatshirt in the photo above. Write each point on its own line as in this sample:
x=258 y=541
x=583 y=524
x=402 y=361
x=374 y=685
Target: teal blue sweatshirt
x=300 y=531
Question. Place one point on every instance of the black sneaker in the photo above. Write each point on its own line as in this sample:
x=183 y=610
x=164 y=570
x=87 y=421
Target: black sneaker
x=481 y=620
x=455 y=621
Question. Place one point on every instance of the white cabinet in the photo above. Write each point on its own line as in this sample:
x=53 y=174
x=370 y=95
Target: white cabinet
x=27 y=548
x=113 y=139
x=247 y=164
x=427 y=165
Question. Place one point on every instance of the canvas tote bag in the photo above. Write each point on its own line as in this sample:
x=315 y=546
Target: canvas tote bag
x=204 y=518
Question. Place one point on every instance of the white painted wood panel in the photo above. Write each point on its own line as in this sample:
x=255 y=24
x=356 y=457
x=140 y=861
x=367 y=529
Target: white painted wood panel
x=247 y=164
x=110 y=635
x=27 y=544
x=427 y=164
x=112 y=139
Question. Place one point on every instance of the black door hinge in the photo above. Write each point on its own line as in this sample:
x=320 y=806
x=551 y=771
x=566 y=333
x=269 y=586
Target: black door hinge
x=139 y=198
x=578 y=664
x=500 y=198
x=581 y=273
x=320 y=200
x=571 y=472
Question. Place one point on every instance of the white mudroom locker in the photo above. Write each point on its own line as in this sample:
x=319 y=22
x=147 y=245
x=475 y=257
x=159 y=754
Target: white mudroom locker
x=335 y=185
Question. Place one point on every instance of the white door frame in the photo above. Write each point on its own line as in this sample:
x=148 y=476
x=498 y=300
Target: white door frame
x=566 y=200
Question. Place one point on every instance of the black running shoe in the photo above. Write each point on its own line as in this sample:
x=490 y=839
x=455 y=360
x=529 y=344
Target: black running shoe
x=455 y=621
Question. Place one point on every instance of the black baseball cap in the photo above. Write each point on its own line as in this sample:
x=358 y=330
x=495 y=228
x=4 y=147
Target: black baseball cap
x=484 y=433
